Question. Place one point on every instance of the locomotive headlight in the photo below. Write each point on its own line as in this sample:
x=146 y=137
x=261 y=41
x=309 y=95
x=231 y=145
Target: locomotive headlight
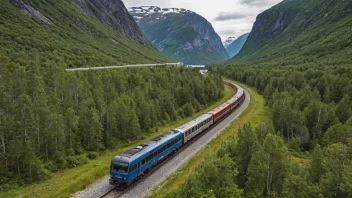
x=124 y=178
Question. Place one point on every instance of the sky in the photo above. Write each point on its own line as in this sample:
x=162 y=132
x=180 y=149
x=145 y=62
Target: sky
x=228 y=17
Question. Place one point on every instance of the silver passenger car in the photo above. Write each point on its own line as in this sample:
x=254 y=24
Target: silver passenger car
x=195 y=127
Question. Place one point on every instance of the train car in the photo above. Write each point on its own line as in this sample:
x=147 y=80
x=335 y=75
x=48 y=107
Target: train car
x=195 y=127
x=237 y=99
x=233 y=102
x=220 y=112
x=241 y=96
x=233 y=86
x=128 y=166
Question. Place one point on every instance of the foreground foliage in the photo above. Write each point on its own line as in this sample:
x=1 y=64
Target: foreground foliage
x=52 y=120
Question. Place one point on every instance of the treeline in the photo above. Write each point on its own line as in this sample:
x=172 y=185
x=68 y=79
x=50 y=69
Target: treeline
x=305 y=150
x=257 y=163
x=308 y=103
x=52 y=120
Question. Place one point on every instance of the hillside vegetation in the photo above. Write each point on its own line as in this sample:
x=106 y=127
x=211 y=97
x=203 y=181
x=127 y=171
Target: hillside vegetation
x=300 y=31
x=73 y=39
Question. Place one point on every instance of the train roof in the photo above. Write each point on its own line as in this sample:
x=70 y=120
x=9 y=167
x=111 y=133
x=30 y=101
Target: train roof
x=232 y=100
x=218 y=109
x=193 y=123
x=239 y=93
x=144 y=148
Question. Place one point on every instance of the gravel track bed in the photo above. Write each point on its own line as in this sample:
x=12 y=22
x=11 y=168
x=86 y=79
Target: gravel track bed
x=146 y=186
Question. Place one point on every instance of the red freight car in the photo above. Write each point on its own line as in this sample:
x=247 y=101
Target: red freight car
x=220 y=112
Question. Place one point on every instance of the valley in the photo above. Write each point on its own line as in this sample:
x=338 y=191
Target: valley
x=176 y=99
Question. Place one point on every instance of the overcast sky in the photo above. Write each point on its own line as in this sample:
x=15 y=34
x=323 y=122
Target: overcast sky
x=229 y=17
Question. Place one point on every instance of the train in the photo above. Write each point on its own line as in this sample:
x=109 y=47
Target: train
x=133 y=164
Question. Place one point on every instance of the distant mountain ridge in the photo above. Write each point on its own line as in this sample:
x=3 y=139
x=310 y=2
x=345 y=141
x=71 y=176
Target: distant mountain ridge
x=180 y=34
x=301 y=31
x=228 y=41
x=234 y=48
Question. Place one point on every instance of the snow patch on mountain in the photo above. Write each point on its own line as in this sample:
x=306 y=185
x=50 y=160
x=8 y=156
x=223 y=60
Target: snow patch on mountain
x=228 y=41
x=144 y=11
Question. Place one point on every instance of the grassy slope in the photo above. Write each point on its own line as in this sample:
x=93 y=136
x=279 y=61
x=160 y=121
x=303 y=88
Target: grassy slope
x=64 y=183
x=255 y=114
x=74 y=40
x=321 y=33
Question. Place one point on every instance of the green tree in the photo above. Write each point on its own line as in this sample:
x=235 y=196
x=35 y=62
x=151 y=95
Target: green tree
x=256 y=176
x=343 y=111
x=71 y=129
x=339 y=133
x=298 y=184
x=215 y=178
x=316 y=166
x=246 y=146
x=267 y=169
x=336 y=161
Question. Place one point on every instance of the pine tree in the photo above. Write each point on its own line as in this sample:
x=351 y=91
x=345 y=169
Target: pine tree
x=246 y=147
x=343 y=111
x=335 y=162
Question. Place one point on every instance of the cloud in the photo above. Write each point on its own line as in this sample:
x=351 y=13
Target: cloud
x=258 y=2
x=226 y=16
x=227 y=32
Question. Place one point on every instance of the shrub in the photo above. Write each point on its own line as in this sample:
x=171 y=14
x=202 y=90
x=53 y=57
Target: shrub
x=92 y=155
x=73 y=161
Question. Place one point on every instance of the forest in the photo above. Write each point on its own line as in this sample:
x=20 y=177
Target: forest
x=52 y=120
x=303 y=150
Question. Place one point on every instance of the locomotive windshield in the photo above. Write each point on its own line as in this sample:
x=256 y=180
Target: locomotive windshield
x=119 y=167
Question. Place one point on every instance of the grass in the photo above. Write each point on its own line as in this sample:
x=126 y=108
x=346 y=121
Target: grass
x=66 y=182
x=254 y=114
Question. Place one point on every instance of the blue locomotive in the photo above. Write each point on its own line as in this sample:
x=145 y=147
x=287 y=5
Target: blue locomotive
x=129 y=166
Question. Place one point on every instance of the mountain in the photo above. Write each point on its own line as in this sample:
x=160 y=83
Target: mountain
x=228 y=41
x=234 y=48
x=74 y=33
x=180 y=34
x=299 y=31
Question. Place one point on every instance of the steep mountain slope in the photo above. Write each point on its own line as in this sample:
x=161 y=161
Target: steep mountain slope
x=180 y=34
x=234 y=48
x=73 y=33
x=228 y=41
x=298 y=31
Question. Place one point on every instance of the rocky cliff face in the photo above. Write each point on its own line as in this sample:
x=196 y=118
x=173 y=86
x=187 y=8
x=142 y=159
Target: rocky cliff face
x=271 y=24
x=298 y=28
x=30 y=10
x=180 y=34
x=114 y=14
